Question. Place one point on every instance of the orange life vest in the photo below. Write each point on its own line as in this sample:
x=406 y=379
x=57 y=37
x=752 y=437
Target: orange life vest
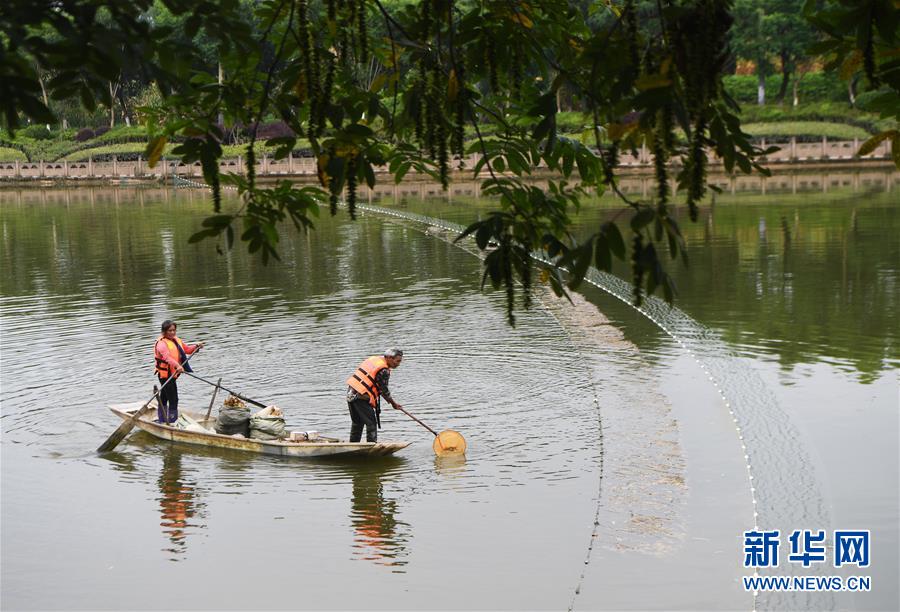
x=162 y=366
x=363 y=379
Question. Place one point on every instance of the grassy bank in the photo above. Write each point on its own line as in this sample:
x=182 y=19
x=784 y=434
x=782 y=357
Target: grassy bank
x=833 y=120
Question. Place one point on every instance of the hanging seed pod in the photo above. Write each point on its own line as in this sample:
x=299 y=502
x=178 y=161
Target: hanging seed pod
x=315 y=92
x=344 y=42
x=631 y=32
x=425 y=22
x=362 y=33
x=506 y=249
x=869 y=58
x=516 y=75
x=491 y=60
x=325 y=100
x=526 y=281
x=443 y=154
x=351 y=187
x=637 y=268
x=417 y=106
x=697 y=162
x=251 y=167
x=303 y=42
x=431 y=113
x=660 y=159
x=458 y=144
x=610 y=157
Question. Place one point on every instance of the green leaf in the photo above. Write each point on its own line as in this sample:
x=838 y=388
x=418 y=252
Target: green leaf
x=197 y=237
x=872 y=143
x=641 y=218
x=155 y=149
x=614 y=237
x=602 y=254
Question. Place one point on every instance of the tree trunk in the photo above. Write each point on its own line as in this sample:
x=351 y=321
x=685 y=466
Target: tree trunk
x=43 y=90
x=112 y=105
x=221 y=118
x=851 y=90
x=760 y=86
x=796 y=92
x=785 y=78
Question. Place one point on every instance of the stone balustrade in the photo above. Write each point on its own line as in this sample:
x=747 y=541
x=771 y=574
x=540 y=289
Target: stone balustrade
x=790 y=152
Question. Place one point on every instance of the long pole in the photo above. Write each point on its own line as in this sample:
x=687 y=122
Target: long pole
x=237 y=395
x=417 y=421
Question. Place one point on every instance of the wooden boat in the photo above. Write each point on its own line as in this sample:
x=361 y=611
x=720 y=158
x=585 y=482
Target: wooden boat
x=322 y=447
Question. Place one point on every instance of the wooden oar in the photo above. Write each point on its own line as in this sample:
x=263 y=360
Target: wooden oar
x=128 y=424
x=237 y=395
x=448 y=442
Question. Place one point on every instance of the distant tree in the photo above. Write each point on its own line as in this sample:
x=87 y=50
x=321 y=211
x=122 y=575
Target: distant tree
x=449 y=72
x=791 y=35
x=862 y=38
x=750 y=40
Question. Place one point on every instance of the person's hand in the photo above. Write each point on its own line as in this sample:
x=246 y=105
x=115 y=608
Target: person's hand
x=397 y=406
x=179 y=369
x=200 y=345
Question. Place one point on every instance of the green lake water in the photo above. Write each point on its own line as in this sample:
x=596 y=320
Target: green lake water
x=604 y=468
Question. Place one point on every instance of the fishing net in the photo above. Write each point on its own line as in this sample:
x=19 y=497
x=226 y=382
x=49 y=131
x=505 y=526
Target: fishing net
x=449 y=442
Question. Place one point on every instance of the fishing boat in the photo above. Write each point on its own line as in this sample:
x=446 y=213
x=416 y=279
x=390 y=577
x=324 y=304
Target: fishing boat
x=207 y=436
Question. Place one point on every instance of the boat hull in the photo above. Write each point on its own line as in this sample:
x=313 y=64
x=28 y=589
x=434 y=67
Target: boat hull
x=325 y=447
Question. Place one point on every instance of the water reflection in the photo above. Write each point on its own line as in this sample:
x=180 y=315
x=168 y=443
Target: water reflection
x=177 y=504
x=379 y=536
x=451 y=466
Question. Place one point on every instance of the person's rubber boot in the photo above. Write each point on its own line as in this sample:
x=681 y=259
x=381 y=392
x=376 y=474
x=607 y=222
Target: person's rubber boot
x=356 y=432
x=371 y=434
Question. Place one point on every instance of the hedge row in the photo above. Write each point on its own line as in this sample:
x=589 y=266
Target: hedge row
x=814 y=87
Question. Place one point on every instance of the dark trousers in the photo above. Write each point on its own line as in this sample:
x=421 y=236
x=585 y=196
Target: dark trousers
x=362 y=413
x=168 y=400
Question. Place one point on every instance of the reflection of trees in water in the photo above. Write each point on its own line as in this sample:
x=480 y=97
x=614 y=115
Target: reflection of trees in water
x=177 y=504
x=378 y=536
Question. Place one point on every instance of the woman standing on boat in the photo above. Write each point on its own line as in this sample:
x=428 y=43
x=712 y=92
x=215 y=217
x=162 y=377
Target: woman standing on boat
x=171 y=355
x=365 y=388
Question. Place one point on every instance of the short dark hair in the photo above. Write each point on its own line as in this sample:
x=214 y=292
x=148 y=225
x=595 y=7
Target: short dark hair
x=393 y=352
x=167 y=324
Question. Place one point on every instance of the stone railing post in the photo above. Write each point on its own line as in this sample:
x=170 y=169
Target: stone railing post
x=824 y=147
x=91 y=166
x=41 y=168
x=66 y=168
x=18 y=170
x=115 y=166
x=793 y=148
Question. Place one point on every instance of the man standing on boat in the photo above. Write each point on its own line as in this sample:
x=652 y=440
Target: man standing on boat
x=170 y=353
x=365 y=388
